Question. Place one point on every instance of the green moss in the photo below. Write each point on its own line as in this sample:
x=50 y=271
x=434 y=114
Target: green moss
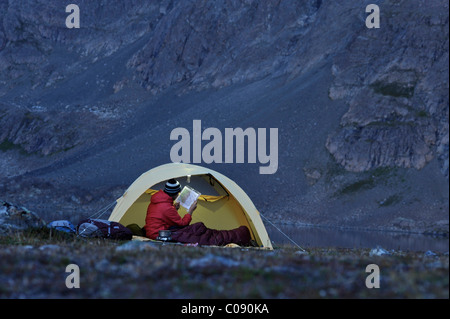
x=358 y=186
x=394 y=89
x=7 y=145
x=384 y=172
x=369 y=180
x=423 y=114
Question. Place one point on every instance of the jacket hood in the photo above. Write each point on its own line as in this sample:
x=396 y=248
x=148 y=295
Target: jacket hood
x=161 y=197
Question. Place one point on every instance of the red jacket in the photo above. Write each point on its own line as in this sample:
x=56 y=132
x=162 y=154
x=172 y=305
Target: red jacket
x=161 y=214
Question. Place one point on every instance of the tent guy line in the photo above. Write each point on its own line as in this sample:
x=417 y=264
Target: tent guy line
x=267 y=220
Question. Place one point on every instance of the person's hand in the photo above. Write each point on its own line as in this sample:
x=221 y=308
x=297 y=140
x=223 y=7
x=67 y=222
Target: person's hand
x=177 y=205
x=193 y=207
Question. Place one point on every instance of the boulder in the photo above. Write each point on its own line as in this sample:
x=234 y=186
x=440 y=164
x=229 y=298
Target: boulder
x=14 y=217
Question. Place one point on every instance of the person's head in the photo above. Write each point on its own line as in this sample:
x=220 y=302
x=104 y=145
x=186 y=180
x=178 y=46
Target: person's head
x=172 y=188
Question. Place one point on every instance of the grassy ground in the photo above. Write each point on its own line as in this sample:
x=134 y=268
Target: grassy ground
x=33 y=265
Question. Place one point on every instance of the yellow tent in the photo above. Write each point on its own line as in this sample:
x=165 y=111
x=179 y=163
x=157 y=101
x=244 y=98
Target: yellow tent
x=223 y=204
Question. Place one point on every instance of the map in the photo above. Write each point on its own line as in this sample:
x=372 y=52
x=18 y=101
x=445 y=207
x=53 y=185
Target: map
x=187 y=197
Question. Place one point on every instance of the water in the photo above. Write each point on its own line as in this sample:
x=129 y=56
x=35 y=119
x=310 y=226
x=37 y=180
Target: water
x=306 y=236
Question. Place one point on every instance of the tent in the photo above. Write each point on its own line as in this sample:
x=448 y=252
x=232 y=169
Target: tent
x=223 y=204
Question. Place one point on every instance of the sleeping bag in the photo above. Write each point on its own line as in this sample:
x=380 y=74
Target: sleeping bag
x=199 y=233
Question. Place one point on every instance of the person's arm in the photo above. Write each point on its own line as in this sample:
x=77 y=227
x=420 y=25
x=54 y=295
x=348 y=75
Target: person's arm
x=193 y=207
x=173 y=218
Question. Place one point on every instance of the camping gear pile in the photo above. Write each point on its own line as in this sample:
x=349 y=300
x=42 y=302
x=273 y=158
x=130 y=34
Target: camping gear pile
x=94 y=228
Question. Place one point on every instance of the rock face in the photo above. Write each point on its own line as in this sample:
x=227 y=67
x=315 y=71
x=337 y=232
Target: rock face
x=32 y=32
x=395 y=79
x=200 y=44
x=396 y=84
x=220 y=43
x=17 y=218
x=37 y=130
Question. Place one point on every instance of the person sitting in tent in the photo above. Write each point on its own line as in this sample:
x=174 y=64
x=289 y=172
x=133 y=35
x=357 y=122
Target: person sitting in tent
x=162 y=214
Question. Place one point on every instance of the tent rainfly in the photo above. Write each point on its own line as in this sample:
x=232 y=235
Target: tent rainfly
x=223 y=204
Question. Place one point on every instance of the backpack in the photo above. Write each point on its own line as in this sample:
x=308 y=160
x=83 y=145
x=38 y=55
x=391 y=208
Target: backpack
x=103 y=228
x=136 y=230
x=62 y=225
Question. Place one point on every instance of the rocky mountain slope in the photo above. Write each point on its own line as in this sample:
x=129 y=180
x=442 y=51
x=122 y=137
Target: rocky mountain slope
x=396 y=84
x=362 y=113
